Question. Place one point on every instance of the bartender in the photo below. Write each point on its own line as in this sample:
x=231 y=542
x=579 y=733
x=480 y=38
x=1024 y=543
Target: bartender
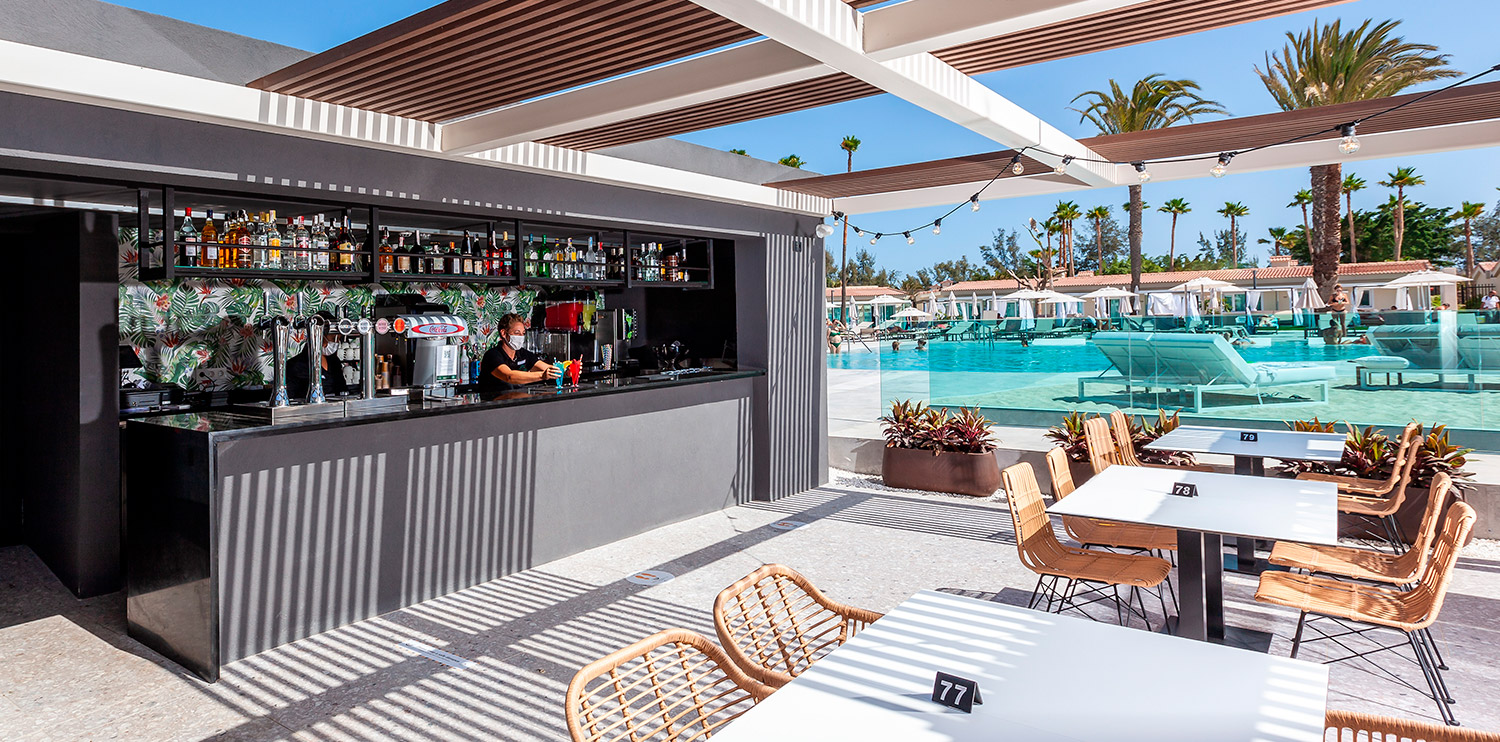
x=509 y=364
x=333 y=366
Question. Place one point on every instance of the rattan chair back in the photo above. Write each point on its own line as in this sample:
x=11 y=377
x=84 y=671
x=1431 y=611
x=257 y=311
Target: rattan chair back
x=1036 y=542
x=1348 y=726
x=1062 y=475
x=672 y=686
x=1119 y=425
x=774 y=623
x=1406 y=461
x=1100 y=444
x=1421 y=605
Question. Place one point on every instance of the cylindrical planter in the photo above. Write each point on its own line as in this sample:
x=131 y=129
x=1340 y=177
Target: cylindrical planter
x=975 y=474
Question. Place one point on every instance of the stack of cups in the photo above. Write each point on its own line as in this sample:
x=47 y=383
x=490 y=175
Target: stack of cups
x=607 y=356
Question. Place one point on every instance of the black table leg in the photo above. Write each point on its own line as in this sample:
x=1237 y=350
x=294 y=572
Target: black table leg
x=1243 y=560
x=1213 y=585
x=1192 y=619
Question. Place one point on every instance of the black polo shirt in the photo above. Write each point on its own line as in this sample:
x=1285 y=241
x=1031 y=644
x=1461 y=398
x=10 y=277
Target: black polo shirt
x=495 y=358
x=296 y=377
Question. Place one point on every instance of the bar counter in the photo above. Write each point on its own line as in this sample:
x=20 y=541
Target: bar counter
x=243 y=535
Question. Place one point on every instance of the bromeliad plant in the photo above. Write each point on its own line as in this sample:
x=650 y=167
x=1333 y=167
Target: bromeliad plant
x=917 y=426
x=1069 y=436
x=1371 y=454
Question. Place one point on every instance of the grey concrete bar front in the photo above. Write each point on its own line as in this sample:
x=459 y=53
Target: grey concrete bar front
x=245 y=536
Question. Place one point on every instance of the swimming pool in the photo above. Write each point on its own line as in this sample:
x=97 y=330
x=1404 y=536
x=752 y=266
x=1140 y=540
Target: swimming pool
x=1075 y=355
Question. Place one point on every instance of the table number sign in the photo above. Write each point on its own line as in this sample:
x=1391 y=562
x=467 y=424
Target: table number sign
x=956 y=692
x=1248 y=437
x=1185 y=489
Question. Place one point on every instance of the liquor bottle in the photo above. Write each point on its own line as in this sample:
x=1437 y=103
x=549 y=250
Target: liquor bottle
x=491 y=256
x=244 y=256
x=420 y=251
x=467 y=256
x=187 y=239
x=506 y=255
x=572 y=258
x=403 y=258
x=273 y=238
x=318 y=238
x=455 y=262
x=547 y=258
x=231 y=237
x=529 y=255
x=347 y=260
x=387 y=253
x=302 y=246
x=210 y=256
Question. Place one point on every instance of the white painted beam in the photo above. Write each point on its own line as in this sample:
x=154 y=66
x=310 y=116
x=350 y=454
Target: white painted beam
x=743 y=69
x=917 y=26
x=49 y=73
x=1429 y=140
x=831 y=32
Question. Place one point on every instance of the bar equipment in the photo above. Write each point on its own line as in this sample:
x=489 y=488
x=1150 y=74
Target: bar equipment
x=281 y=334
x=416 y=333
x=315 y=327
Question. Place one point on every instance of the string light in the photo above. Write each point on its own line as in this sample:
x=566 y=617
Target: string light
x=1222 y=165
x=1349 y=144
x=823 y=230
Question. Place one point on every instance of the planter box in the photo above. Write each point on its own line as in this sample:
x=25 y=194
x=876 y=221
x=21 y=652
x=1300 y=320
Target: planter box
x=975 y=474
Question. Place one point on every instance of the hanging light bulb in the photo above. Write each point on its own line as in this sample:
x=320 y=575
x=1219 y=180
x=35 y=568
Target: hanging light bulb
x=1062 y=167
x=974 y=202
x=858 y=232
x=937 y=226
x=910 y=240
x=1016 y=168
x=1349 y=144
x=1222 y=165
x=823 y=230
x=1140 y=172
x=876 y=238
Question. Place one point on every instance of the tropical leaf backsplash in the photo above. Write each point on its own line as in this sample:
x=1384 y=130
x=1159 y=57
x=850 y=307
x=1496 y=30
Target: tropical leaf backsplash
x=200 y=334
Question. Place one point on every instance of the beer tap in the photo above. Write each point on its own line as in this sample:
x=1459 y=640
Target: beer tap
x=315 y=327
x=281 y=332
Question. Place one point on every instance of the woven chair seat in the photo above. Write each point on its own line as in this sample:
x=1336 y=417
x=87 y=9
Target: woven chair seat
x=1365 y=564
x=1376 y=507
x=1356 y=727
x=1099 y=566
x=1405 y=610
x=1119 y=535
x=1351 y=485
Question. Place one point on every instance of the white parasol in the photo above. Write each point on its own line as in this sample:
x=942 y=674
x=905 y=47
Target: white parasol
x=910 y=313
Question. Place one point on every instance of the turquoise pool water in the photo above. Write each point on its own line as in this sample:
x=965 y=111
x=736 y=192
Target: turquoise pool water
x=1053 y=357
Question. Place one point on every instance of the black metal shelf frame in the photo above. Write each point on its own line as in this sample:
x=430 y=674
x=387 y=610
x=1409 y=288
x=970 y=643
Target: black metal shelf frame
x=369 y=256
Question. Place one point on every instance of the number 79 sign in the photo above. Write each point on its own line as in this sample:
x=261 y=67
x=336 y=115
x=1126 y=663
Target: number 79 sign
x=956 y=692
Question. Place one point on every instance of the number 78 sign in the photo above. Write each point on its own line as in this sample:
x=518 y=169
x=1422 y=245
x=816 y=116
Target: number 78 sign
x=956 y=692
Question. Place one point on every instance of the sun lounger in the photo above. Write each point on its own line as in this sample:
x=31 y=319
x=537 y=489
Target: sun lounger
x=1443 y=349
x=1197 y=364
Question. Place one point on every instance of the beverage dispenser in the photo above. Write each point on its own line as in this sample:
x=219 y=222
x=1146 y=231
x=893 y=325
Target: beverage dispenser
x=419 y=336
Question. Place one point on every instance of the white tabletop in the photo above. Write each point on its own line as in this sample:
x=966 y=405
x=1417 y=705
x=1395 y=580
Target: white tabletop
x=1228 y=504
x=1043 y=678
x=1276 y=444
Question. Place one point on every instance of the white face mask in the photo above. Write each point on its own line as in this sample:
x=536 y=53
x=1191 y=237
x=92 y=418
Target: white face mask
x=330 y=348
x=516 y=341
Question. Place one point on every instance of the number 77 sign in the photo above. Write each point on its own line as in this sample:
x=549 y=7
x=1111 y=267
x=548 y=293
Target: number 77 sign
x=956 y=692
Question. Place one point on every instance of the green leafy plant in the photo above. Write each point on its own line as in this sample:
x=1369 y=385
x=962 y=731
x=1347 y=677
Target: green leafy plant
x=1146 y=432
x=1437 y=455
x=917 y=426
x=1069 y=436
x=1371 y=453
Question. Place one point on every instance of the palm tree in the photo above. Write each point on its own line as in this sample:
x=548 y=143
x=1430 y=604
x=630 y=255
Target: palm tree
x=1303 y=198
x=1065 y=213
x=792 y=161
x=1052 y=227
x=1152 y=103
x=1324 y=65
x=1098 y=214
x=849 y=144
x=1234 y=210
x=1279 y=239
x=1468 y=212
x=739 y=152
x=1351 y=184
x=1402 y=179
x=1176 y=207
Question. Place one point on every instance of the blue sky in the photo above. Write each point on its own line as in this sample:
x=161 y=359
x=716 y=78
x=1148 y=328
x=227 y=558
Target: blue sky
x=895 y=132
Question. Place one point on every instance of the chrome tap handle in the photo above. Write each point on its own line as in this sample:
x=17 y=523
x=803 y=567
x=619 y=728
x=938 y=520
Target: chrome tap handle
x=315 y=360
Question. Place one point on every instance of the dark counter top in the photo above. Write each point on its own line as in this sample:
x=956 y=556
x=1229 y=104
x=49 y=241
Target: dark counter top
x=228 y=424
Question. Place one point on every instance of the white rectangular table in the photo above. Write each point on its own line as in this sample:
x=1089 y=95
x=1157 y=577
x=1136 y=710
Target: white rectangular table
x=1250 y=459
x=1043 y=678
x=1226 y=505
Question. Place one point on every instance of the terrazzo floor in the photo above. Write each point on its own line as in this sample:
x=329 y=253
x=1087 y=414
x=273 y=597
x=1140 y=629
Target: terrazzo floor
x=69 y=672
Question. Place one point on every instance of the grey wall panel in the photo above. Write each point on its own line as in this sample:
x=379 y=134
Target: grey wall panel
x=795 y=379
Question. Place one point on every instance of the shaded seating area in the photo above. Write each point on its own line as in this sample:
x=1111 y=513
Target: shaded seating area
x=1196 y=364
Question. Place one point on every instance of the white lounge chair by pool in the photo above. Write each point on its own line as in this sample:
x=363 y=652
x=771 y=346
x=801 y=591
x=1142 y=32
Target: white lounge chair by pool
x=1198 y=364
